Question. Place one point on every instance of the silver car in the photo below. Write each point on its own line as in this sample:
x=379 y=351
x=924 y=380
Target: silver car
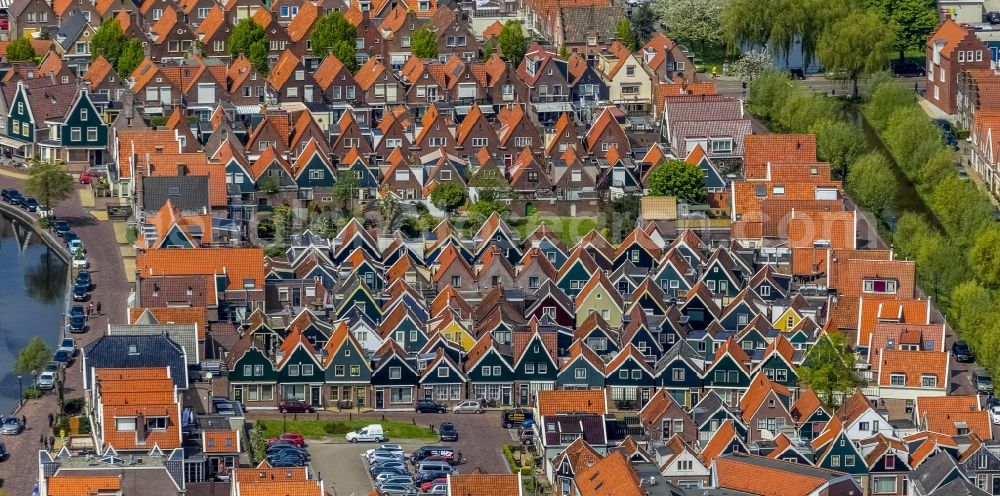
x=397 y=490
x=470 y=406
x=46 y=380
x=10 y=426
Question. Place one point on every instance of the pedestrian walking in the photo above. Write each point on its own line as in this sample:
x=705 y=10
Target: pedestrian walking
x=41 y=440
x=52 y=418
x=52 y=443
x=99 y=308
x=24 y=422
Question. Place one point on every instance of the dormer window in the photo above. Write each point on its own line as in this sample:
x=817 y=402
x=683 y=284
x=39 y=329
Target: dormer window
x=879 y=286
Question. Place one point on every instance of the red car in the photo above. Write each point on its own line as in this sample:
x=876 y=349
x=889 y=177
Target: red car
x=428 y=485
x=289 y=437
x=88 y=176
x=295 y=406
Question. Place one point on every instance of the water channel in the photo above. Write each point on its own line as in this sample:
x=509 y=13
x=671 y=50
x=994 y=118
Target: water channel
x=32 y=299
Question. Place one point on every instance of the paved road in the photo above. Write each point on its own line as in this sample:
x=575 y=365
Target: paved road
x=21 y=470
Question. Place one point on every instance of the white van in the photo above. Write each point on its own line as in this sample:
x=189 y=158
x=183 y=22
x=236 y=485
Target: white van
x=372 y=433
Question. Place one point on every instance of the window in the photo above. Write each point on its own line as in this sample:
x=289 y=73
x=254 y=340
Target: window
x=890 y=462
x=74 y=134
x=91 y=134
x=258 y=370
x=636 y=375
x=623 y=374
x=293 y=370
x=395 y=372
x=885 y=286
x=722 y=145
x=884 y=485
x=849 y=460
x=781 y=375
x=835 y=461
x=307 y=369
x=522 y=141
x=677 y=374
x=533 y=282
x=897 y=379
x=126 y=424
x=479 y=142
x=543 y=368
x=248 y=370
x=863 y=426
x=580 y=373
x=456 y=281
x=961 y=56
x=156 y=423
x=529 y=368
x=685 y=465
x=496 y=371
x=928 y=381
x=338 y=370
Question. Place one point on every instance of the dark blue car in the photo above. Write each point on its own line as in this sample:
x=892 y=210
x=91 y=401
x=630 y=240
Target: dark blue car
x=80 y=291
x=60 y=227
x=77 y=319
x=62 y=356
x=83 y=277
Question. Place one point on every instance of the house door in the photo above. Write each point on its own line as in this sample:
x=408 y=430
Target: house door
x=644 y=396
x=522 y=398
x=238 y=394
x=694 y=399
x=723 y=287
x=505 y=398
x=316 y=396
x=378 y=399
x=428 y=393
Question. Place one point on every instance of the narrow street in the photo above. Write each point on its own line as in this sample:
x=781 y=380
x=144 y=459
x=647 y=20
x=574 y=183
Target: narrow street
x=20 y=471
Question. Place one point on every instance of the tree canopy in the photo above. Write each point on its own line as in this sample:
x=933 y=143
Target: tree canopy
x=20 y=49
x=624 y=34
x=130 y=58
x=513 y=43
x=344 y=190
x=328 y=31
x=33 y=356
x=109 y=41
x=829 y=368
x=49 y=182
x=643 y=23
x=871 y=182
x=250 y=39
x=912 y=20
x=780 y=24
x=678 y=178
x=449 y=196
x=344 y=52
x=692 y=20
x=857 y=44
x=423 y=44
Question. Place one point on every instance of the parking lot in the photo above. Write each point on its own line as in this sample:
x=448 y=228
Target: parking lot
x=480 y=442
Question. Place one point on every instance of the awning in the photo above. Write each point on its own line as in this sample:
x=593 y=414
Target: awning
x=464 y=109
x=248 y=109
x=554 y=107
x=11 y=143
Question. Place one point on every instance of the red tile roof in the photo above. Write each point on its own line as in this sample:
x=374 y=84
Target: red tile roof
x=239 y=265
x=572 y=401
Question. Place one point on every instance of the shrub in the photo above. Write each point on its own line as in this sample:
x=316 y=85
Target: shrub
x=75 y=406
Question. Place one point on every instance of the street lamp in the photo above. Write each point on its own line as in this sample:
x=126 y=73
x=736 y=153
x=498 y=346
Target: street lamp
x=284 y=422
x=20 y=392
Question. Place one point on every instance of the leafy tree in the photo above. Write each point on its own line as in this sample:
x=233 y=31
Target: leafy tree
x=643 y=23
x=624 y=34
x=250 y=39
x=109 y=41
x=423 y=44
x=268 y=184
x=513 y=43
x=751 y=65
x=692 y=20
x=911 y=138
x=345 y=188
x=858 y=45
x=913 y=20
x=838 y=143
x=829 y=368
x=940 y=166
x=968 y=301
x=33 y=356
x=330 y=29
x=779 y=24
x=489 y=46
x=871 y=182
x=910 y=227
x=984 y=255
x=482 y=209
x=563 y=52
x=884 y=99
x=449 y=196
x=767 y=93
x=130 y=57
x=960 y=208
x=678 y=178
x=49 y=182
x=344 y=51
x=20 y=49
x=803 y=109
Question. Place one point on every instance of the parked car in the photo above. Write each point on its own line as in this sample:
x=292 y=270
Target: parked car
x=77 y=319
x=449 y=432
x=390 y=474
x=80 y=260
x=430 y=406
x=470 y=406
x=284 y=463
x=512 y=418
x=424 y=452
x=84 y=277
x=295 y=406
x=908 y=68
x=947 y=133
x=397 y=490
x=17 y=200
x=983 y=382
x=10 y=426
x=797 y=74
x=398 y=479
x=30 y=204
x=7 y=193
x=426 y=486
x=283 y=447
x=387 y=449
x=63 y=357
x=387 y=464
x=373 y=433
x=381 y=456
x=995 y=414
x=46 y=380
x=67 y=344
x=52 y=367
x=423 y=477
x=960 y=350
x=60 y=227
x=80 y=291
x=290 y=437
x=68 y=238
x=88 y=176
x=989 y=17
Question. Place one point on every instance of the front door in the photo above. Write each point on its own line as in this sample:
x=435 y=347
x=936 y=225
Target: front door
x=644 y=392
x=505 y=395
x=316 y=396
x=378 y=399
x=523 y=397
x=238 y=394
x=694 y=398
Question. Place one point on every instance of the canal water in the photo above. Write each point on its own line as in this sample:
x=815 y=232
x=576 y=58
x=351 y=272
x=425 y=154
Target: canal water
x=32 y=299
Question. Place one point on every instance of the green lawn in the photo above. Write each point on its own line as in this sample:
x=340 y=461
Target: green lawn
x=569 y=229
x=316 y=429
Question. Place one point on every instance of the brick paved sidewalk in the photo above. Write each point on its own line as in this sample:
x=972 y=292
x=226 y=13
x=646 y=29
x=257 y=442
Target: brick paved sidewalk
x=111 y=289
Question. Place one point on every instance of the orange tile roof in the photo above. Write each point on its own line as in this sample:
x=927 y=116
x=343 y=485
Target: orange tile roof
x=946 y=404
x=874 y=311
x=98 y=70
x=215 y=19
x=41 y=47
x=81 y=485
x=806 y=405
x=263 y=18
x=327 y=71
x=485 y=484
x=283 y=69
x=760 y=389
x=839 y=228
x=572 y=401
x=596 y=131
x=948 y=423
x=369 y=73
x=220 y=442
x=303 y=22
x=164 y=25
x=951 y=32
x=612 y=475
x=493 y=30
x=141 y=143
x=915 y=364
x=759 y=149
x=719 y=442
x=195 y=164
x=735 y=473
x=139 y=398
x=847 y=276
x=237 y=264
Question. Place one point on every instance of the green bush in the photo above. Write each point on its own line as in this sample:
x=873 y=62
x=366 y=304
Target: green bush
x=75 y=406
x=84 y=424
x=33 y=393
